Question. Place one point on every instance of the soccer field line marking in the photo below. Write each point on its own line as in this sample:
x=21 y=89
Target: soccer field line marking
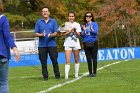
x=71 y=81
x=27 y=77
x=24 y=77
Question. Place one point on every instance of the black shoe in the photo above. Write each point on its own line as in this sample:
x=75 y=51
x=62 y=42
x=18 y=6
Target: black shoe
x=91 y=75
x=45 y=79
x=58 y=78
x=94 y=75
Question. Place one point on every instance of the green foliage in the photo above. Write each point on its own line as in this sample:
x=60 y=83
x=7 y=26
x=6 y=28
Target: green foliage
x=18 y=22
x=108 y=13
x=15 y=21
x=31 y=20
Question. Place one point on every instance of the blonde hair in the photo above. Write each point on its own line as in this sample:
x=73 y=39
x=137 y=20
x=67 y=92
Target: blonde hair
x=1 y=7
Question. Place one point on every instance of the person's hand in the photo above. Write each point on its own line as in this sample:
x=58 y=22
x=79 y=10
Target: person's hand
x=70 y=29
x=16 y=54
x=84 y=27
x=62 y=33
x=44 y=33
x=91 y=28
x=74 y=29
x=50 y=35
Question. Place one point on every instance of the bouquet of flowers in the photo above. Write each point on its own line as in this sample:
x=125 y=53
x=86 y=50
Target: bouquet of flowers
x=62 y=28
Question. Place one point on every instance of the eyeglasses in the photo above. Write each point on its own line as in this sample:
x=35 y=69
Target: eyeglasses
x=88 y=15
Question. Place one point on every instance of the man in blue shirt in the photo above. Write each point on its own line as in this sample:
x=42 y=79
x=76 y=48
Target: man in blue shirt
x=46 y=29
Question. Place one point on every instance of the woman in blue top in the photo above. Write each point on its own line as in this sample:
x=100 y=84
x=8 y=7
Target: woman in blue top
x=6 y=42
x=90 y=41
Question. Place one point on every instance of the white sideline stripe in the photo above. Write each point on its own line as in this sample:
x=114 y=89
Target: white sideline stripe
x=27 y=77
x=85 y=74
x=24 y=77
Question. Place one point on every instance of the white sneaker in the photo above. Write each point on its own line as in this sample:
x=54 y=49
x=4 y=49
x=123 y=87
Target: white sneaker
x=66 y=76
x=76 y=75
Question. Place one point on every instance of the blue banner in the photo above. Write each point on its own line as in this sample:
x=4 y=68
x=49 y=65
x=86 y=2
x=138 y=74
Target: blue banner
x=103 y=54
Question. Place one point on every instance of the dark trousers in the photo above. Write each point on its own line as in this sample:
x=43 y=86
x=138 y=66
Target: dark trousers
x=91 y=55
x=43 y=55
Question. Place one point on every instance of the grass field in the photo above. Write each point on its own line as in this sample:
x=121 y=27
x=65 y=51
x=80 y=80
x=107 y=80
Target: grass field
x=120 y=78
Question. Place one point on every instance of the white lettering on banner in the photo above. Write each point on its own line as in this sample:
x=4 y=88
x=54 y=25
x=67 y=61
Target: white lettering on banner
x=116 y=52
x=101 y=55
x=109 y=56
x=123 y=53
x=112 y=54
x=131 y=53
x=82 y=56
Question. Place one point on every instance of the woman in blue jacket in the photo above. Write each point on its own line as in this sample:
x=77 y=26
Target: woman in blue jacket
x=6 y=42
x=90 y=42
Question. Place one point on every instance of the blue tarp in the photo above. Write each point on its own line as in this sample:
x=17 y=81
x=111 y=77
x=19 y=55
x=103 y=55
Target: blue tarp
x=103 y=54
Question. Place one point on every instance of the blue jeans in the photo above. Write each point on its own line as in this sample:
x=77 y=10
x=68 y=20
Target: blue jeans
x=4 y=77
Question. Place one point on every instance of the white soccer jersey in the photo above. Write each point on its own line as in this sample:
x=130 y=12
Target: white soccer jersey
x=72 y=40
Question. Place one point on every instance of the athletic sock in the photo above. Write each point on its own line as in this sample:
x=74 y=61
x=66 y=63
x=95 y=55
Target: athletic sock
x=76 y=70
x=67 y=68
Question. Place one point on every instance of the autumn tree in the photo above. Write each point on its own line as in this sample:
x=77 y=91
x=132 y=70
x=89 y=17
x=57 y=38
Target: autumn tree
x=118 y=20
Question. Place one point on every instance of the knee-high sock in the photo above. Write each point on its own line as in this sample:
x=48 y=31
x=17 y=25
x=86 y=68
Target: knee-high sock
x=67 y=68
x=76 y=70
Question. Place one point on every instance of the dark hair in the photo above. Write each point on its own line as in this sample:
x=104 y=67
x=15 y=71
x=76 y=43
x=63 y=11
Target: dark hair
x=1 y=7
x=85 y=21
x=45 y=7
x=71 y=12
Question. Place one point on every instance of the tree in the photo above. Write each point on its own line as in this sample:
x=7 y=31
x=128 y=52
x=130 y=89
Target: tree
x=119 y=16
x=119 y=20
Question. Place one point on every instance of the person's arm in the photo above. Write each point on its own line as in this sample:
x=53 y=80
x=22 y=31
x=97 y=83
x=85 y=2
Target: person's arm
x=6 y=33
x=77 y=30
x=9 y=39
x=68 y=32
x=40 y=34
x=83 y=29
x=94 y=28
x=16 y=54
x=37 y=30
x=77 y=33
x=55 y=29
x=53 y=34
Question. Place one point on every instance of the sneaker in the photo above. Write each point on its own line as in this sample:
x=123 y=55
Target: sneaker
x=76 y=75
x=66 y=77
